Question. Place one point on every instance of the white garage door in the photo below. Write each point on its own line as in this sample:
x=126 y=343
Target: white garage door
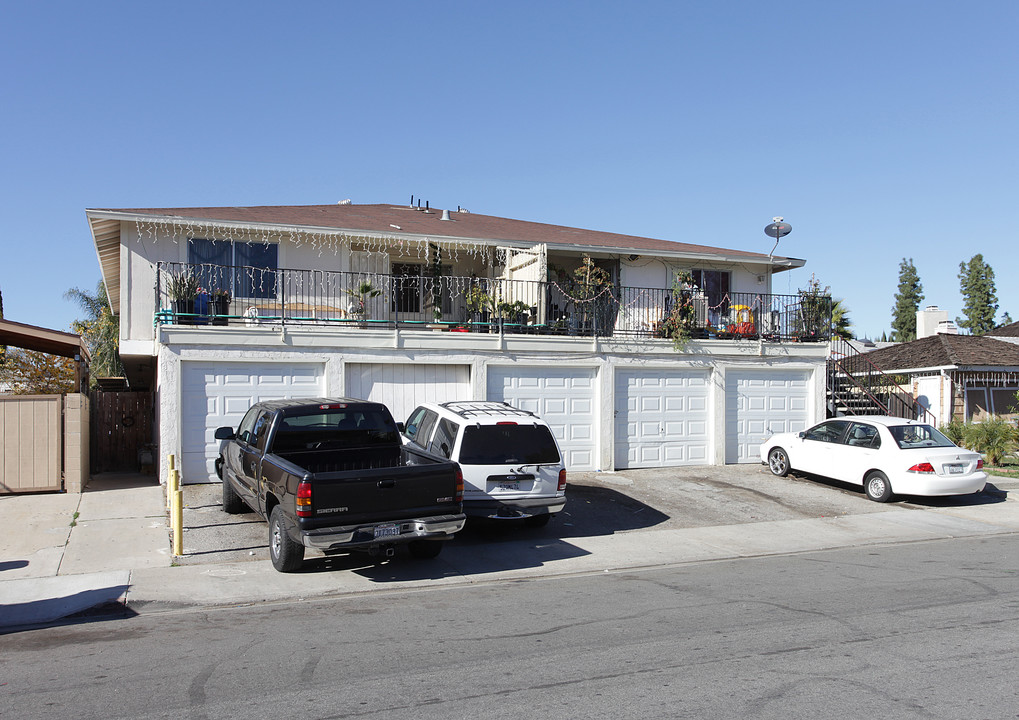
x=760 y=403
x=562 y=397
x=402 y=387
x=661 y=418
x=214 y=394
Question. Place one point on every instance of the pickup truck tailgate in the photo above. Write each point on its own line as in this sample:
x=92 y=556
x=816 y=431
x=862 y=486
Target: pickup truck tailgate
x=356 y=485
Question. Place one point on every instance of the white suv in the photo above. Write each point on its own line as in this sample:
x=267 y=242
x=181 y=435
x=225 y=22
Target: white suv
x=511 y=463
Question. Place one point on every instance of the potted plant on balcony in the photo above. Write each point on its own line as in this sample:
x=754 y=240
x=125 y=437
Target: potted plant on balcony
x=183 y=289
x=514 y=313
x=362 y=293
x=681 y=321
x=219 y=306
x=479 y=304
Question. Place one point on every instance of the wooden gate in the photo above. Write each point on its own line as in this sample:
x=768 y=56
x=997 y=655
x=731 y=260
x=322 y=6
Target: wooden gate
x=31 y=443
x=121 y=423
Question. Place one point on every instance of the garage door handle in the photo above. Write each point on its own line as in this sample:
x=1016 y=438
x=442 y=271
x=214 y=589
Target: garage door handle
x=387 y=483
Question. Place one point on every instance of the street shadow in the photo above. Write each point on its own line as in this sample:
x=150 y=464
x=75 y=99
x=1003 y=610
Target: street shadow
x=96 y=605
x=119 y=481
x=13 y=564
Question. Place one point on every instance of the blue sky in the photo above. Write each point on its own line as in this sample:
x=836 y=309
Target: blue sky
x=880 y=130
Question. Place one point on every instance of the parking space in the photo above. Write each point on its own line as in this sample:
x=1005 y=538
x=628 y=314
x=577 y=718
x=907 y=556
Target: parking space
x=599 y=504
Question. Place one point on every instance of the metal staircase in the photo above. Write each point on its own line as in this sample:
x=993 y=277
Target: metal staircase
x=855 y=386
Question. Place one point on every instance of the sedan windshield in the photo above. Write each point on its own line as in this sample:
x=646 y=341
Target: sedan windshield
x=918 y=436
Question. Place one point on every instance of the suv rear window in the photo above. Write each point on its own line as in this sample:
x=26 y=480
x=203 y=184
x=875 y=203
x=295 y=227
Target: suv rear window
x=508 y=445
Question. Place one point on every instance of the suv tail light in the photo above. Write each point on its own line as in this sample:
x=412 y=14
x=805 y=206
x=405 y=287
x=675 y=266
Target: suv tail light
x=922 y=468
x=562 y=480
x=304 y=500
x=459 y=485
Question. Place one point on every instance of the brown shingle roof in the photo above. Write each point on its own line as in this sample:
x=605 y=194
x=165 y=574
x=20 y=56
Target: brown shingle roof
x=383 y=218
x=946 y=350
x=1011 y=330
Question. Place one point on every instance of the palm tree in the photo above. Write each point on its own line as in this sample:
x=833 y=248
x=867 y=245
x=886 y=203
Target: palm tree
x=101 y=330
x=840 y=322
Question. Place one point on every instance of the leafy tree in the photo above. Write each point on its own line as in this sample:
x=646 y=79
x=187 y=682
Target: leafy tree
x=980 y=299
x=101 y=330
x=907 y=302
x=840 y=322
x=1006 y=319
x=27 y=372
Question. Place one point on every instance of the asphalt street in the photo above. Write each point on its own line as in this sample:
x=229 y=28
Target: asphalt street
x=917 y=630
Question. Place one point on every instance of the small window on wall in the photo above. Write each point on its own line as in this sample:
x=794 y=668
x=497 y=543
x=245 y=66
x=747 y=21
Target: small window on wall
x=243 y=269
x=977 y=406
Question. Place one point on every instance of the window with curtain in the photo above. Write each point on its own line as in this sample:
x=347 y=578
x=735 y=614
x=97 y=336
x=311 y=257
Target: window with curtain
x=243 y=269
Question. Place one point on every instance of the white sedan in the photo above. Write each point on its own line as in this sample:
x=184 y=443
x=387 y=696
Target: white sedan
x=884 y=454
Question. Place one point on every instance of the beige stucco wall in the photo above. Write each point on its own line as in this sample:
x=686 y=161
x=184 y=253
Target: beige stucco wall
x=76 y=442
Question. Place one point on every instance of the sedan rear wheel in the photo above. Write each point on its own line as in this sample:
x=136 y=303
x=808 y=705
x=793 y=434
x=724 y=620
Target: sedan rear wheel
x=778 y=462
x=877 y=487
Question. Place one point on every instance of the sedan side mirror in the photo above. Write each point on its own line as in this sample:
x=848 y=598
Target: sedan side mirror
x=225 y=433
x=801 y=435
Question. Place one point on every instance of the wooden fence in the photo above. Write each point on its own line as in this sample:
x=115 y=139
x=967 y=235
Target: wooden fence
x=31 y=443
x=121 y=424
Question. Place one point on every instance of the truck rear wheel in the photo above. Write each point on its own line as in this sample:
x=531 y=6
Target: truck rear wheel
x=286 y=555
x=424 y=549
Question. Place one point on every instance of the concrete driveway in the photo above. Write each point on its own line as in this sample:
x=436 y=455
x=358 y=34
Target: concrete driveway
x=599 y=504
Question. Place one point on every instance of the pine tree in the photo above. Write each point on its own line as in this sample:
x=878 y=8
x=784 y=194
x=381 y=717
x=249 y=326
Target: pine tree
x=979 y=297
x=907 y=302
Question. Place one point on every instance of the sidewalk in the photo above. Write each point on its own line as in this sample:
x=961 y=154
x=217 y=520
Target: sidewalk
x=67 y=554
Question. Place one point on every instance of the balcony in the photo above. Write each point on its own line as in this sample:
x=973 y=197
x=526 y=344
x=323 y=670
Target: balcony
x=216 y=295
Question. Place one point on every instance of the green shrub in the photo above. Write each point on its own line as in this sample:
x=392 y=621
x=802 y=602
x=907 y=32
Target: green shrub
x=994 y=438
x=955 y=431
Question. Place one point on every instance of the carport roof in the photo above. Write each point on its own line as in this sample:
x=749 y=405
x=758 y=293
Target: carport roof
x=54 y=342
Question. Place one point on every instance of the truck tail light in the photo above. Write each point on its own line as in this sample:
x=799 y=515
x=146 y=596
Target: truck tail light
x=922 y=468
x=459 y=485
x=304 y=500
x=562 y=480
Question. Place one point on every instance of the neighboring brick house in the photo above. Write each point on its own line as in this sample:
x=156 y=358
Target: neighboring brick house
x=963 y=377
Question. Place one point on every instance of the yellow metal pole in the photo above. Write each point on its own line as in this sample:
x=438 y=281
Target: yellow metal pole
x=177 y=517
x=171 y=464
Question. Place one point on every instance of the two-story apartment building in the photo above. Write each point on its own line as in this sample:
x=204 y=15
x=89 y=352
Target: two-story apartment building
x=222 y=306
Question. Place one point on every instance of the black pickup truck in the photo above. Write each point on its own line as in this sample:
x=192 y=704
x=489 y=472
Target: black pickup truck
x=333 y=475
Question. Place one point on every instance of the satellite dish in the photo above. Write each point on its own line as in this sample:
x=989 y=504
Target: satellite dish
x=778 y=230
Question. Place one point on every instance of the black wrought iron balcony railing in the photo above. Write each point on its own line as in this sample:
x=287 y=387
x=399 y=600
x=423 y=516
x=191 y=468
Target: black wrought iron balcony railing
x=211 y=295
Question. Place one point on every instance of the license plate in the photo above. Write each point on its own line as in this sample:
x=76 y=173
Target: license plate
x=384 y=531
x=509 y=486
x=954 y=469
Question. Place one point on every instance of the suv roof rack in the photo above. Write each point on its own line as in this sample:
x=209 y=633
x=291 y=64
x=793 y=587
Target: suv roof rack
x=473 y=408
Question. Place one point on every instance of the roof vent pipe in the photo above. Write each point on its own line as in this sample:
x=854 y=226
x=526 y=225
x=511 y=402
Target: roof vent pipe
x=445 y=215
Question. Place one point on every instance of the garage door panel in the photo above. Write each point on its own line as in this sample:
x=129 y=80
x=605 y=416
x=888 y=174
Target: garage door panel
x=217 y=394
x=563 y=397
x=403 y=386
x=662 y=417
x=760 y=403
